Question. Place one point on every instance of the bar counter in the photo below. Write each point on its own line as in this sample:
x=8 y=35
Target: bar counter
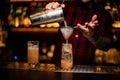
x=22 y=71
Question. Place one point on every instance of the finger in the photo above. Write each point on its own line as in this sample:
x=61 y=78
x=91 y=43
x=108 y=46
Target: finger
x=52 y=5
x=94 y=17
x=55 y=5
x=95 y=22
x=46 y=7
x=49 y=5
x=81 y=27
x=63 y=5
x=86 y=24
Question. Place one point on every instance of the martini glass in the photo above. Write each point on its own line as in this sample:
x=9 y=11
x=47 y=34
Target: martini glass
x=66 y=32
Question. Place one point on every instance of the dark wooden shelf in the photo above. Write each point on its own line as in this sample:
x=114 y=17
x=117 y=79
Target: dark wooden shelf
x=35 y=29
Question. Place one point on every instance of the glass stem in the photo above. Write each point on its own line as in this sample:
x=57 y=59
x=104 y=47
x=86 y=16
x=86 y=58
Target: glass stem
x=67 y=41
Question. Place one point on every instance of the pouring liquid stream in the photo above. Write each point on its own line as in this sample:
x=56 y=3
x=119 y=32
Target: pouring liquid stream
x=65 y=23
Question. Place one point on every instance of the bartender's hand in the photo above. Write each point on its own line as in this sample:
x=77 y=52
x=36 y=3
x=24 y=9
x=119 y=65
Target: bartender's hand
x=90 y=32
x=88 y=28
x=54 y=5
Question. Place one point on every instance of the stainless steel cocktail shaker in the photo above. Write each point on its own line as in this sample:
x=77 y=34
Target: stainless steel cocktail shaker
x=47 y=16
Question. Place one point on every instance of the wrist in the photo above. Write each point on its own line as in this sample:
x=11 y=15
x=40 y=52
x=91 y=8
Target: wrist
x=100 y=42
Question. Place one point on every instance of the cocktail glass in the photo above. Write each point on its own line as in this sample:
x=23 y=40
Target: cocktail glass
x=66 y=32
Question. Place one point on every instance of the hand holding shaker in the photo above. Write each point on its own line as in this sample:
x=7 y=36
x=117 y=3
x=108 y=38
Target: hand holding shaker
x=47 y=16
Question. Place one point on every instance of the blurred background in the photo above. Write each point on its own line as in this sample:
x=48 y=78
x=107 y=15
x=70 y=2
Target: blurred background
x=16 y=31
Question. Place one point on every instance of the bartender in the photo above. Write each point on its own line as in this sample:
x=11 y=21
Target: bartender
x=94 y=30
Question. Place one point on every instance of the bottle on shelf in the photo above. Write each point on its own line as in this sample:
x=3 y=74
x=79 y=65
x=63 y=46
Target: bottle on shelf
x=10 y=18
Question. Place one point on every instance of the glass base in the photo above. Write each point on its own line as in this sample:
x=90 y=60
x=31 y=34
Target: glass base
x=33 y=65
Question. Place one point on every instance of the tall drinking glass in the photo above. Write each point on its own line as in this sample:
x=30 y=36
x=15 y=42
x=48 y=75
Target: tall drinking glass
x=33 y=53
x=67 y=56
